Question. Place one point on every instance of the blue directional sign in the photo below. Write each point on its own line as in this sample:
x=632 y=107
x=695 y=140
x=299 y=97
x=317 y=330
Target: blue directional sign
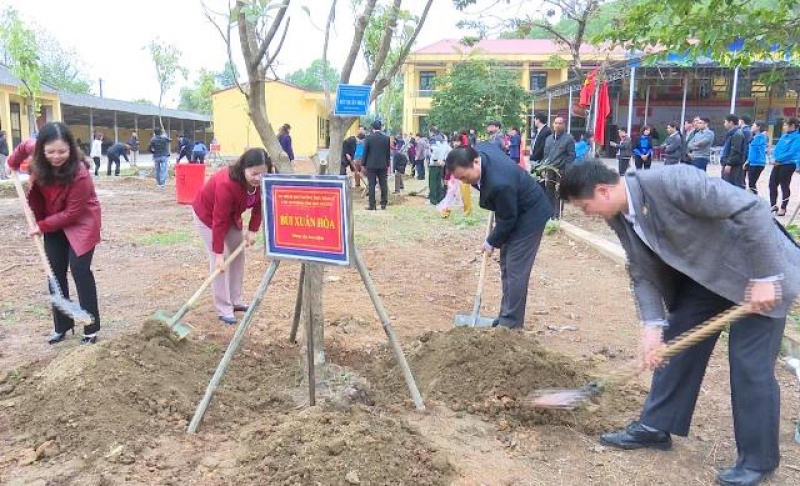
x=352 y=100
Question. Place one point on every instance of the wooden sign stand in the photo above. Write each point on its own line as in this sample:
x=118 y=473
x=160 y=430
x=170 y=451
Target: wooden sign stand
x=241 y=330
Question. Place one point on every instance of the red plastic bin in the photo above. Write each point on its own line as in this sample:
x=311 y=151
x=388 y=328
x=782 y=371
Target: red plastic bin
x=189 y=179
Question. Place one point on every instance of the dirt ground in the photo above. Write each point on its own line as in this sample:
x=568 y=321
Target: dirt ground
x=116 y=412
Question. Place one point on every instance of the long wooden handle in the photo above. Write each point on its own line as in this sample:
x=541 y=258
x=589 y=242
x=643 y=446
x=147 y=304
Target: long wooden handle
x=702 y=332
x=485 y=257
x=216 y=273
x=31 y=223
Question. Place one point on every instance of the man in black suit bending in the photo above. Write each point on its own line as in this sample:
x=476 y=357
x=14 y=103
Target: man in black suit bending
x=377 y=154
x=521 y=211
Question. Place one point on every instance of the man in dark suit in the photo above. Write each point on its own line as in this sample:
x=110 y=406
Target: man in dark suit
x=539 y=138
x=697 y=245
x=377 y=155
x=521 y=211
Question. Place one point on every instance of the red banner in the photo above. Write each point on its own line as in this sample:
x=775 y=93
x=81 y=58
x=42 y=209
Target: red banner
x=308 y=218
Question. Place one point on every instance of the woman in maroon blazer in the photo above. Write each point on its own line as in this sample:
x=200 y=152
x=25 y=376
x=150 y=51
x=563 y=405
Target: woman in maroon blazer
x=218 y=212
x=67 y=213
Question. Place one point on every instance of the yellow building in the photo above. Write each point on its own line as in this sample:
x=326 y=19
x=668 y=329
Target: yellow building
x=305 y=111
x=14 y=108
x=531 y=57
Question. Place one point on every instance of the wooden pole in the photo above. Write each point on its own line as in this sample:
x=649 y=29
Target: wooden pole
x=308 y=310
x=387 y=327
x=298 y=305
x=233 y=347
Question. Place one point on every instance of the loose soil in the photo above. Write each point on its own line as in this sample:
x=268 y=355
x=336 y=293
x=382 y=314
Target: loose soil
x=116 y=412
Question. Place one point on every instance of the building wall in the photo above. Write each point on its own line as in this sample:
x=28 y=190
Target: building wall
x=416 y=104
x=285 y=104
x=49 y=102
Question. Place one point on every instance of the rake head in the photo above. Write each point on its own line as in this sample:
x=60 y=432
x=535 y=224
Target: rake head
x=66 y=306
x=565 y=398
x=180 y=329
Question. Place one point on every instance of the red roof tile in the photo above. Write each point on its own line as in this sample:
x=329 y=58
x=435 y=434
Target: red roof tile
x=500 y=46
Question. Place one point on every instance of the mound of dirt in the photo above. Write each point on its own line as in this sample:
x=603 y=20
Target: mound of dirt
x=492 y=371
x=122 y=392
x=319 y=446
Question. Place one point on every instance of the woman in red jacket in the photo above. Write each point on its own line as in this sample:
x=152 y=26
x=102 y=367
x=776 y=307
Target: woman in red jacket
x=67 y=213
x=218 y=212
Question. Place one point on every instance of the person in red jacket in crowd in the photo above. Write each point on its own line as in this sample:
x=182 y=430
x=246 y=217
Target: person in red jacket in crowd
x=67 y=213
x=218 y=210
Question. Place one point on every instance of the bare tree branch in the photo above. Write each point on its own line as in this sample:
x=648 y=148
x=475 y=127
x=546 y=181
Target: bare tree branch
x=273 y=30
x=358 y=38
x=405 y=50
x=325 y=87
x=271 y=60
x=226 y=38
x=386 y=44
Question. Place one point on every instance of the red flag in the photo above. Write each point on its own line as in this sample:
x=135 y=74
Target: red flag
x=603 y=110
x=587 y=91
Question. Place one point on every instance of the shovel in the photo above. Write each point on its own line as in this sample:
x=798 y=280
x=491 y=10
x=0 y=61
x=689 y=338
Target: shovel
x=64 y=305
x=180 y=329
x=570 y=399
x=474 y=319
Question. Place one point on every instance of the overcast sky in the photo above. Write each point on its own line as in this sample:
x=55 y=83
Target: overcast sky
x=109 y=36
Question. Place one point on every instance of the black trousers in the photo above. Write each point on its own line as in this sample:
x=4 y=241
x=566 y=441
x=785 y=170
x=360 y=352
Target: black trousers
x=550 y=186
x=642 y=163
x=753 y=345
x=116 y=162
x=781 y=176
x=735 y=176
x=516 y=262
x=62 y=256
x=623 y=165
x=184 y=152
x=379 y=175
x=96 y=165
x=753 y=173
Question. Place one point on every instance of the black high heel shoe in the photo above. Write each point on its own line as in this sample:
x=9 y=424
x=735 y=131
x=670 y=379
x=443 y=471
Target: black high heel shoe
x=57 y=337
x=89 y=339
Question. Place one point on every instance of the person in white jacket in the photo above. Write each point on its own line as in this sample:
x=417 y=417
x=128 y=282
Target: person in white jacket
x=96 y=152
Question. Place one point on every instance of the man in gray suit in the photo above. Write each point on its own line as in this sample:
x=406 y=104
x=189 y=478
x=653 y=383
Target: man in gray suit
x=696 y=246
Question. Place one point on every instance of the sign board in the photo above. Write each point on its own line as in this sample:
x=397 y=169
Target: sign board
x=307 y=218
x=352 y=100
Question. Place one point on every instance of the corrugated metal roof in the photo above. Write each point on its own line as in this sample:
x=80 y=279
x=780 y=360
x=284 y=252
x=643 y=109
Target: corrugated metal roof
x=504 y=46
x=98 y=103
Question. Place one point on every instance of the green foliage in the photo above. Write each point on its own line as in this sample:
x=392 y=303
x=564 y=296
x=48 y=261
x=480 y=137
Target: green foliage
x=167 y=238
x=143 y=101
x=474 y=92
x=686 y=26
x=198 y=97
x=312 y=76
x=22 y=49
x=552 y=227
x=228 y=76
x=390 y=107
x=166 y=59
x=373 y=35
x=607 y=14
x=59 y=67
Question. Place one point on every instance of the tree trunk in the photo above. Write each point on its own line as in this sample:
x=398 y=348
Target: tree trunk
x=257 y=109
x=32 y=128
x=339 y=126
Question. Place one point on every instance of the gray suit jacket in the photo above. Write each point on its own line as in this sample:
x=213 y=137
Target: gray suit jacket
x=707 y=229
x=559 y=151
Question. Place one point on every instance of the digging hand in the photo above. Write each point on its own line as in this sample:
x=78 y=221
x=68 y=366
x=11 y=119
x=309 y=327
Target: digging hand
x=762 y=296
x=219 y=262
x=487 y=248
x=250 y=238
x=650 y=345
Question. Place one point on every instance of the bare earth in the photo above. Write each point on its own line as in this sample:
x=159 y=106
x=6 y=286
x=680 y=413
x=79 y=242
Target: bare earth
x=116 y=412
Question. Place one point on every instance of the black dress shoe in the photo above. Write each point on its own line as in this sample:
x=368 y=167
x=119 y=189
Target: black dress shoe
x=496 y=322
x=89 y=339
x=240 y=308
x=57 y=337
x=635 y=436
x=740 y=476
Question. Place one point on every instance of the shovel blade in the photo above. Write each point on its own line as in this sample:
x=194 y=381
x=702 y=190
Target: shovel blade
x=178 y=328
x=71 y=309
x=462 y=320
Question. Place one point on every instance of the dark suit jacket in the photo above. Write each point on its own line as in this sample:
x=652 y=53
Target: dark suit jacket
x=537 y=153
x=707 y=229
x=520 y=205
x=349 y=148
x=377 y=151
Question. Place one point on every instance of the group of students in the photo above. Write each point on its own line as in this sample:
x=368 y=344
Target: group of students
x=67 y=215
x=743 y=155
